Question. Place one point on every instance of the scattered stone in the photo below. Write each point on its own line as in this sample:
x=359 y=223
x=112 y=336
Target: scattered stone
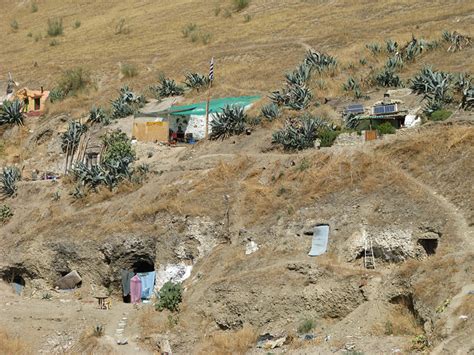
x=122 y=342
x=251 y=247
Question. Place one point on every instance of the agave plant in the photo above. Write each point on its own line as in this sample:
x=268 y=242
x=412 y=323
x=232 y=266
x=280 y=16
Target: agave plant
x=391 y=46
x=196 y=81
x=127 y=103
x=394 y=62
x=98 y=115
x=432 y=84
x=299 y=76
x=319 y=61
x=456 y=40
x=11 y=113
x=387 y=78
x=9 y=177
x=167 y=88
x=70 y=139
x=279 y=98
x=300 y=133
x=299 y=97
x=228 y=123
x=270 y=111
x=352 y=85
x=414 y=48
x=467 y=102
x=375 y=48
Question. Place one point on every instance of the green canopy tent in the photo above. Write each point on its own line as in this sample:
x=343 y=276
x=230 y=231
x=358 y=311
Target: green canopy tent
x=191 y=119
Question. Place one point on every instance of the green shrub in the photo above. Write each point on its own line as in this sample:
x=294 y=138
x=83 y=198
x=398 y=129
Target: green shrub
x=5 y=214
x=129 y=70
x=386 y=128
x=98 y=330
x=227 y=13
x=440 y=115
x=77 y=24
x=170 y=297
x=29 y=34
x=327 y=137
x=55 y=27
x=217 y=10
x=239 y=5
x=188 y=29
x=306 y=326
x=34 y=7
x=14 y=25
x=247 y=18
x=71 y=82
x=121 y=28
x=54 y=43
x=228 y=123
x=9 y=176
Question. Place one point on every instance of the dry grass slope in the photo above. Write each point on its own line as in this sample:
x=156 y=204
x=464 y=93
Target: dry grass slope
x=251 y=56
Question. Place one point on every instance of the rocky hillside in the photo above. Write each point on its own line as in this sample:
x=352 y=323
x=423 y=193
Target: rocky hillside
x=239 y=213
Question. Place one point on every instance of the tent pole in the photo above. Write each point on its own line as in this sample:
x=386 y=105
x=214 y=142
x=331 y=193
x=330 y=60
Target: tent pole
x=207 y=108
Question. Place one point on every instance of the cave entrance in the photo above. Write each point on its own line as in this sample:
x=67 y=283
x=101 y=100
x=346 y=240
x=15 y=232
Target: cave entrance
x=429 y=245
x=143 y=265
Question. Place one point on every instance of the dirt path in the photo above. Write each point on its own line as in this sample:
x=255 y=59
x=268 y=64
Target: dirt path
x=121 y=332
x=462 y=229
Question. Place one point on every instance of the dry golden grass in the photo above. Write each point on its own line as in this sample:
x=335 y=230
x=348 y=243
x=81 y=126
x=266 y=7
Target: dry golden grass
x=251 y=57
x=229 y=343
x=88 y=343
x=12 y=345
x=399 y=321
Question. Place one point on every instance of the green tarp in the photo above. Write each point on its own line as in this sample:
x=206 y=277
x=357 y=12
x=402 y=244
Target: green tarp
x=215 y=106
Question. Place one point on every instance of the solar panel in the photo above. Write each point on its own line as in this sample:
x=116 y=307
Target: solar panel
x=382 y=109
x=379 y=110
x=356 y=108
x=390 y=109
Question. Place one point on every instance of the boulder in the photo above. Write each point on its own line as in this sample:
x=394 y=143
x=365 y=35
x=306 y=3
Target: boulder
x=69 y=281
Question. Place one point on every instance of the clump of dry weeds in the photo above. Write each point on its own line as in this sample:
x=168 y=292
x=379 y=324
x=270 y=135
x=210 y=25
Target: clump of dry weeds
x=229 y=343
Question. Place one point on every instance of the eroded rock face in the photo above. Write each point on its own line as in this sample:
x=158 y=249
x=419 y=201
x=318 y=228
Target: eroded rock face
x=300 y=288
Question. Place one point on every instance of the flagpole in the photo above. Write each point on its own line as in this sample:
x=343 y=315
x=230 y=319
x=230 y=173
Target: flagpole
x=207 y=108
x=211 y=79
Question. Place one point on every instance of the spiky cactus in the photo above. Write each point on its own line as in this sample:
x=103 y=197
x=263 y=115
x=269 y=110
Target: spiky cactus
x=394 y=62
x=9 y=177
x=70 y=139
x=11 y=113
x=228 y=123
x=270 y=111
x=352 y=85
x=196 y=81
